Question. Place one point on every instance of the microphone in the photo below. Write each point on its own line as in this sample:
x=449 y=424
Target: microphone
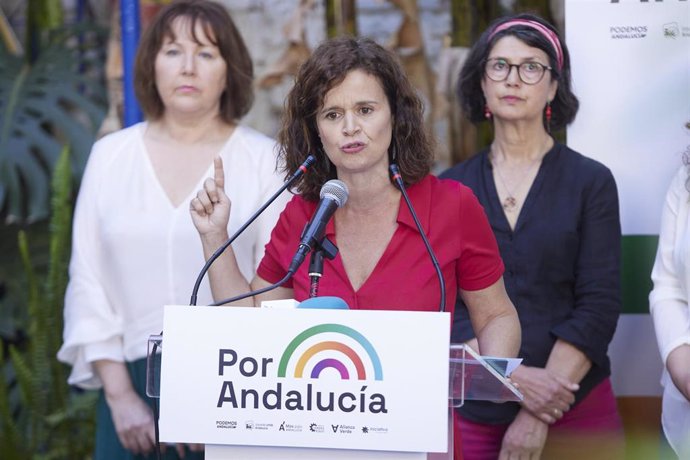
x=301 y=170
x=333 y=195
x=396 y=178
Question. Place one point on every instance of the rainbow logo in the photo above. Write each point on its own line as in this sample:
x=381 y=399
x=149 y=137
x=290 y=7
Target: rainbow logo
x=333 y=345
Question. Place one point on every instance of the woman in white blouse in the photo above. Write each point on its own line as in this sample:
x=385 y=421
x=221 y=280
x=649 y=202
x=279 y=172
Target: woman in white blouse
x=135 y=248
x=671 y=313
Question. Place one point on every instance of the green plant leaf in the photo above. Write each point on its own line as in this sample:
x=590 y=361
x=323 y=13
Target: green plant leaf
x=59 y=99
x=11 y=441
x=27 y=388
x=41 y=17
x=40 y=415
x=56 y=284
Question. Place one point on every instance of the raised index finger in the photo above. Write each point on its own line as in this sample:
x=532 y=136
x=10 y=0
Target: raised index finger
x=218 y=173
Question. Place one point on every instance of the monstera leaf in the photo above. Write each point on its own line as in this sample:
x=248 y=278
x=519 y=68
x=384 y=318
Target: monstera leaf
x=58 y=100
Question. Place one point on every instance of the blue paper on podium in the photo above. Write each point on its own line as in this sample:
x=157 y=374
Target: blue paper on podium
x=504 y=366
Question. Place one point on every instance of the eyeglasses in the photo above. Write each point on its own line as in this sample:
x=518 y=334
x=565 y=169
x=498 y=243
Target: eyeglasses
x=530 y=73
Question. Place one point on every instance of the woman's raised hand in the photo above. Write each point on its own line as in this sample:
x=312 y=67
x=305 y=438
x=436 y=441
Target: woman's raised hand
x=210 y=209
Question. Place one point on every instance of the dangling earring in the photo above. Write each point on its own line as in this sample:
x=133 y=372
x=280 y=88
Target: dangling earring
x=487 y=112
x=548 y=116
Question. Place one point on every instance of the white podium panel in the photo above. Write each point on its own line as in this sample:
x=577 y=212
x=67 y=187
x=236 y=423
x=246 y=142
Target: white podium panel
x=218 y=452
x=214 y=452
x=333 y=379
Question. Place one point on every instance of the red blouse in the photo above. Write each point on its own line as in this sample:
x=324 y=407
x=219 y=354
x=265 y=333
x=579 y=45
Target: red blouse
x=404 y=278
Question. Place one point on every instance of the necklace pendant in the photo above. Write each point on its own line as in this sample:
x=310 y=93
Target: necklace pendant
x=509 y=204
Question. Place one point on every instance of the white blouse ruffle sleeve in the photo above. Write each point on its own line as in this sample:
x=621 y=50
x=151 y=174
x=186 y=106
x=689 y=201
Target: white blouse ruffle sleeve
x=134 y=252
x=669 y=307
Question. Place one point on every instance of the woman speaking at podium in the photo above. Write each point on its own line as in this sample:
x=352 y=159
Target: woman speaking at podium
x=353 y=108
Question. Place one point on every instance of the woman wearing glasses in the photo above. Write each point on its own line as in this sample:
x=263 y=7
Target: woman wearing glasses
x=555 y=216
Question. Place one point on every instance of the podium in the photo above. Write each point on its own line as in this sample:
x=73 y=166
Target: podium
x=267 y=384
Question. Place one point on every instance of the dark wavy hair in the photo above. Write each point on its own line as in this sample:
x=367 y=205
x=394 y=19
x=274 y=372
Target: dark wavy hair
x=469 y=90
x=328 y=66
x=219 y=28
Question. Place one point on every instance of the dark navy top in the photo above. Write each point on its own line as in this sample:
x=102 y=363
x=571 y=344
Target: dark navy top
x=562 y=263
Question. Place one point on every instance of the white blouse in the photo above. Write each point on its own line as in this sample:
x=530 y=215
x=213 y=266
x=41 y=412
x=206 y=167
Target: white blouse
x=668 y=304
x=133 y=252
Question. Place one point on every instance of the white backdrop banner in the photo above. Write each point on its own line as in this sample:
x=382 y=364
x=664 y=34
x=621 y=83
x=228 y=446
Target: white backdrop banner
x=631 y=71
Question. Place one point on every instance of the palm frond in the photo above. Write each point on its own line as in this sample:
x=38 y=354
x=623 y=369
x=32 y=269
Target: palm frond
x=58 y=99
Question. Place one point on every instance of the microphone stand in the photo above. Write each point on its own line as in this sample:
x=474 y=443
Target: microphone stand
x=325 y=248
x=397 y=180
x=315 y=272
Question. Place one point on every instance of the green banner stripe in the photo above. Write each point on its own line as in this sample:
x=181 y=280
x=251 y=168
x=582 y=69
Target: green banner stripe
x=638 y=252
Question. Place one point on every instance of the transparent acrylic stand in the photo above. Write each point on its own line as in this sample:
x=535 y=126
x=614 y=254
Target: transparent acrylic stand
x=153 y=366
x=471 y=377
x=475 y=378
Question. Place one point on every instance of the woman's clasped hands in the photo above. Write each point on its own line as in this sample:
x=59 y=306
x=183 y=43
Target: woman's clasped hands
x=546 y=395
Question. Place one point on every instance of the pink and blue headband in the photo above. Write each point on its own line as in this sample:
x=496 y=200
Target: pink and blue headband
x=541 y=28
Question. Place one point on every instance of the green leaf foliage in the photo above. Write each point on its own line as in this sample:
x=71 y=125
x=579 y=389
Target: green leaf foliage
x=59 y=99
x=10 y=436
x=41 y=16
x=40 y=415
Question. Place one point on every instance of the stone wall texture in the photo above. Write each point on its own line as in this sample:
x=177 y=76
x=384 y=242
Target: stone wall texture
x=262 y=21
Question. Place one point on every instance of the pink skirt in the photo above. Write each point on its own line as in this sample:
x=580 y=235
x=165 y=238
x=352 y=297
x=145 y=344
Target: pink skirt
x=591 y=430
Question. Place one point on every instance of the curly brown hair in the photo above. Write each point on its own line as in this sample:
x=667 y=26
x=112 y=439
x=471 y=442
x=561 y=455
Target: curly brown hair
x=219 y=28
x=411 y=147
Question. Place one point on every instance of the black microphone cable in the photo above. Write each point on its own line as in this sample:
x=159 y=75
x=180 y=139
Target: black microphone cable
x=256 y=292
x=156 y=429
x=397 y=180
x=296 y=175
